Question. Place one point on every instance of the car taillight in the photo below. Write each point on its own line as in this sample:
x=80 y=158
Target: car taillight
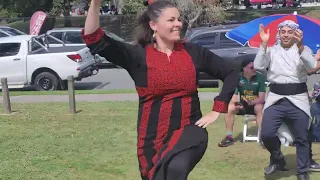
x=75 y=57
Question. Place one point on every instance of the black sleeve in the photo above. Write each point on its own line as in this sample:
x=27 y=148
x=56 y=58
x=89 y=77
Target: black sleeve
x=212 y=64
x=118 y=53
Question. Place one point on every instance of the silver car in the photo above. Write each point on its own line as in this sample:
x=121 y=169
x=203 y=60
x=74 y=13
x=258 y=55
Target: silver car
x=6 y=31
x=71 y=36
x=215 y=40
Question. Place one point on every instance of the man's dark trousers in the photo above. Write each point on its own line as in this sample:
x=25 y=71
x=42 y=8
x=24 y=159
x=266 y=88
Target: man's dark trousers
x=273 y=116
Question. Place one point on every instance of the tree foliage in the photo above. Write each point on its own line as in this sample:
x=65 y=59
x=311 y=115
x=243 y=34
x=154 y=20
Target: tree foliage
x=25 y=8
x=132 y=6
x=191 y=10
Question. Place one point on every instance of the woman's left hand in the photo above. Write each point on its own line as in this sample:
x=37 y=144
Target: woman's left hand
x=208 y=119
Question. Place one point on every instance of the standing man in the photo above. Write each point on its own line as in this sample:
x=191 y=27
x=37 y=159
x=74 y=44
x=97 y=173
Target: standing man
x=252 y=89
x=288 y=63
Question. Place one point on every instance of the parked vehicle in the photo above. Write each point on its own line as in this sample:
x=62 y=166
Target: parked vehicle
x=71 y=37
x=6 y=31
x=215 y=40
x=26 y=60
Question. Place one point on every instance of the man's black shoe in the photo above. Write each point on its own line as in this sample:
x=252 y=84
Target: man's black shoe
x=314 y=166
x=227 y=141
x=273 y=168
x=303 y=176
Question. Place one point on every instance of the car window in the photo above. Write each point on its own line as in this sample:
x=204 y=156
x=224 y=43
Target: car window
x=57 y=35
x=73 y=38
x=12 y=32
x=3 y=34
x=9 y=49
x=35 y=46
x=205 y=40
x=226 y=42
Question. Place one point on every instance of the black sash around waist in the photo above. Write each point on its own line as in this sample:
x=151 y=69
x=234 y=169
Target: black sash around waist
x=289 y=89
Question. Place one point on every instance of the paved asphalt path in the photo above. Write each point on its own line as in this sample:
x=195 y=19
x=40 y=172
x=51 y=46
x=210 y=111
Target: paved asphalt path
x=91 y=98
x=120 y=79
x=107 y=79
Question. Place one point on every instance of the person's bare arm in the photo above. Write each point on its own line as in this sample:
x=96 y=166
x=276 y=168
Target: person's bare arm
x=234 y=99
x=93 y=18
x=259 y=100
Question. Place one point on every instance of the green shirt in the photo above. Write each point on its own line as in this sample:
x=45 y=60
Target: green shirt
x=250 y=89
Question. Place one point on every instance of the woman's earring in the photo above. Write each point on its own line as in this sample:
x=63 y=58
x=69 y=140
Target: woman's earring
x=154 y=36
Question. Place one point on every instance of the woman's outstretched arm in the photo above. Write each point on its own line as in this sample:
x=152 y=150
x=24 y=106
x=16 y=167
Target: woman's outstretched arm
x=117 y=52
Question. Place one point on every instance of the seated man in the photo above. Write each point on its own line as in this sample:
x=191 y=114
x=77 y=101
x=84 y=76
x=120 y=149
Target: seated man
x=252 y=90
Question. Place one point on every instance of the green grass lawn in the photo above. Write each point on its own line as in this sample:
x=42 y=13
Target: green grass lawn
x=111 y=91
x=42 y=141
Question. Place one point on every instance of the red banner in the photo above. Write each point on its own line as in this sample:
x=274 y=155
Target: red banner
x=36 y=22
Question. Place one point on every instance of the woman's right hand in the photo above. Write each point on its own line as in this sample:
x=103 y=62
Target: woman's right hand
x=263 y=35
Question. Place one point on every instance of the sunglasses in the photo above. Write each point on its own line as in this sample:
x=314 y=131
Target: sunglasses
x=251 y=67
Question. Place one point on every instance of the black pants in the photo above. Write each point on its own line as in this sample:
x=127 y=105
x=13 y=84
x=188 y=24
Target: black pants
x=273 y=116
x=310 y=139
x=182 y=164
x=187 y=150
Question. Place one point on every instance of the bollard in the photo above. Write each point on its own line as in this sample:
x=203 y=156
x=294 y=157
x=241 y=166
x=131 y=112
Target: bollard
x=72 y=98
x=5 y=95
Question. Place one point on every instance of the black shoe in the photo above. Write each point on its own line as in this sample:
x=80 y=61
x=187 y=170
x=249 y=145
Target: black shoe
x=273 y=168
x=303 y=176
x=314 y=166
x=227 y=141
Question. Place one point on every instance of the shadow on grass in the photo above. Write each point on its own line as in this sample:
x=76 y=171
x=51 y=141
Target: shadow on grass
x=289 y=158
x=291 y=164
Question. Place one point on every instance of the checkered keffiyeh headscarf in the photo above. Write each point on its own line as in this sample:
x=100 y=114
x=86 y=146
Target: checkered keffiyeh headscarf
x=291 y=24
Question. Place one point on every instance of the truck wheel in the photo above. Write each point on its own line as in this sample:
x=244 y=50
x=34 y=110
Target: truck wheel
x=46 y=81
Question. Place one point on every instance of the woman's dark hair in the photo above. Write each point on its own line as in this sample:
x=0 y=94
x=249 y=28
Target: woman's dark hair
x=143 y=33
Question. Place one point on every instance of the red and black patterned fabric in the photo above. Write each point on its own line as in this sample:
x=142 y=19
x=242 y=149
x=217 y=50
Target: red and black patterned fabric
x=167 y=89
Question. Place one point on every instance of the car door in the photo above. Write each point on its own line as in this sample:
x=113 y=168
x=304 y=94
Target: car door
x=12 y=63
x=230 y=49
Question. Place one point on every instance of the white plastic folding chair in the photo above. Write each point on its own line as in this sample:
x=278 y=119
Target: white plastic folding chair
x=248 y=118
x=248 y=137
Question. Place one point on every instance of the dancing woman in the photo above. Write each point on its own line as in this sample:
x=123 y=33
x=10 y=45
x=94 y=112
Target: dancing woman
x=171 y=130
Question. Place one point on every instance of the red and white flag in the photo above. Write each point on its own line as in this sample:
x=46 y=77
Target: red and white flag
x=36 y=22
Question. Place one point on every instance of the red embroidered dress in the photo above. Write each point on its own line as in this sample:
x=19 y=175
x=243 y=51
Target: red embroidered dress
x=168 y=97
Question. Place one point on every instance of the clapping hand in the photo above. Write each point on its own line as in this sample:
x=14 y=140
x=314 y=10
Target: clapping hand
x=298 y=35
x=264 y=35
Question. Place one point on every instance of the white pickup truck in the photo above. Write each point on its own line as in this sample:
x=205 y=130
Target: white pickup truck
x=26 y=60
